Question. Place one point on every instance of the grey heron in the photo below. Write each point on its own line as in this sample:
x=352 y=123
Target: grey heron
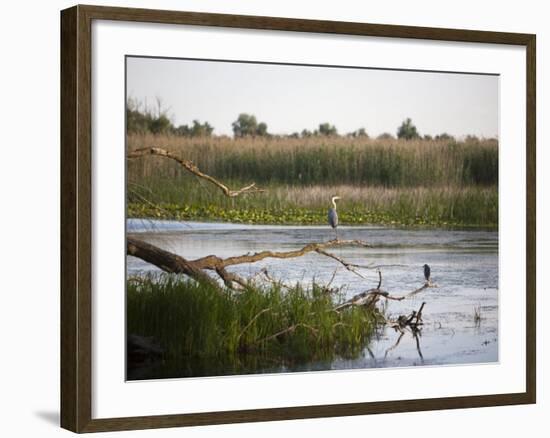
x=333 y=216
x=427 y=272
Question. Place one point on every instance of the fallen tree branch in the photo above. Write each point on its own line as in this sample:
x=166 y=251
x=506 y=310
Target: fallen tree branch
x=173 y=263
x=413 y=322
x=229 y=278
x=212 y=261
x=165 y=260
x=190 y=167
x=370 y=297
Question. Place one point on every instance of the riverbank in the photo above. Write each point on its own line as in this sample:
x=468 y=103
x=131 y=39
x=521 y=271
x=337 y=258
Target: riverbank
x=302 y=216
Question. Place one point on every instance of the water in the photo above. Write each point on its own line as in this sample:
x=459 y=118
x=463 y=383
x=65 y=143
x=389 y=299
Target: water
x=464 y=265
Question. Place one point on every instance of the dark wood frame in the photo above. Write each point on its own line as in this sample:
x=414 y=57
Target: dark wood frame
x=76 y=168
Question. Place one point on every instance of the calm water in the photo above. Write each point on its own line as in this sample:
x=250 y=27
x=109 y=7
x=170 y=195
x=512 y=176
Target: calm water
x=464 y=265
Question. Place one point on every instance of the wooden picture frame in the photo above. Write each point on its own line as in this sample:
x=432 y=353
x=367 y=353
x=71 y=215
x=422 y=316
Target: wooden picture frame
x=76 y=217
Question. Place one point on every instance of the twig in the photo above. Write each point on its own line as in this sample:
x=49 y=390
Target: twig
x=327 y=288
x=349 y=266
x=261 y=312
x=289 y=329
x=394 y=346
x=272 y=280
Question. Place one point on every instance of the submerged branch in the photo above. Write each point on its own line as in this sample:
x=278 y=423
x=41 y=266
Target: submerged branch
x=191 y=167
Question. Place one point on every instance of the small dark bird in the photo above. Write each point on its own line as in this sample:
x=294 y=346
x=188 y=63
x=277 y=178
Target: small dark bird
x=427 y=273
x=333 y=216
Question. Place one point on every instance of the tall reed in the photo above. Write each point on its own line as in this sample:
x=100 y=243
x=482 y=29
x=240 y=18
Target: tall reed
x=326 y=160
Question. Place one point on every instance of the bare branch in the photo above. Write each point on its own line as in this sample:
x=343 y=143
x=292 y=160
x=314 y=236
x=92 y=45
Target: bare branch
x=189 y=166
x=290 y=329
x=370 y=297
x=229 y=278
x=272 y=280
x=349 y=266
x=173 y=263
x=212 y=261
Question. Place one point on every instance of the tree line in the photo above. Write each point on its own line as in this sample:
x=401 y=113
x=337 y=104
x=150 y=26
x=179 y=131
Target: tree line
x=142 y=119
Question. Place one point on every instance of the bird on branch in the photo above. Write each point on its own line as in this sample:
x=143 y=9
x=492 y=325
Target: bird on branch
x=427 y=273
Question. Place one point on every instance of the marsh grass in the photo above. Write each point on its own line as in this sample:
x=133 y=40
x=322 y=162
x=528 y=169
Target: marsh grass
x=326 y=160
x=400 y=182
x=186 y=199
x=200 y=327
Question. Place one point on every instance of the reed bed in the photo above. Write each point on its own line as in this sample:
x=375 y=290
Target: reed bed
x=326 y=160
x=418 y=182
x=197 y=325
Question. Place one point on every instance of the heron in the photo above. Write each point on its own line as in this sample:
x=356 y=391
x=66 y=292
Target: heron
x=333 y=216
x=427 y=272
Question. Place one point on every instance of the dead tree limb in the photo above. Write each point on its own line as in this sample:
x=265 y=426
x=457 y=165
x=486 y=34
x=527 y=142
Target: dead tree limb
x=212 y=261
x=165 y=260
x=191 y=167
x=349 y=266
x=370 y=297
x=230 y=277
x=173 y=263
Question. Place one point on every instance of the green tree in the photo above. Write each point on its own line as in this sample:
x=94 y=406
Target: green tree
x=261 y=130
x=327 y=129
x=201 y=129
x=246 y=125
x=407 y=130
x=444 y=137
x=361 y=132
x=160 y=125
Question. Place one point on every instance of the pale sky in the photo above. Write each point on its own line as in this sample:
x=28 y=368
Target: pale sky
x=290 y=98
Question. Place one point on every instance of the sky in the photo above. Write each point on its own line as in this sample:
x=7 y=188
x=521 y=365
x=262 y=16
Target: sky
x=290 y=98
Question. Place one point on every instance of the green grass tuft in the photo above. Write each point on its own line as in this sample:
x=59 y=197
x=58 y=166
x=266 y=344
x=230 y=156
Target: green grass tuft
x=206 y=332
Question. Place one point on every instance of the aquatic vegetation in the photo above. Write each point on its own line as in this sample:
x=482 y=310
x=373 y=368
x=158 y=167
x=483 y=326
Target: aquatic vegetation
x=392 y=182
x=308 y=205
x=196 y=324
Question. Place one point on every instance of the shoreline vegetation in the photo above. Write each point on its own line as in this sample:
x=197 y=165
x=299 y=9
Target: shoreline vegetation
x=205 y=332
x=389 y=181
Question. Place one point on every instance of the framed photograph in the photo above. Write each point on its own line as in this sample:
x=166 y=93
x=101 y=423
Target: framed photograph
x=270 y=218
